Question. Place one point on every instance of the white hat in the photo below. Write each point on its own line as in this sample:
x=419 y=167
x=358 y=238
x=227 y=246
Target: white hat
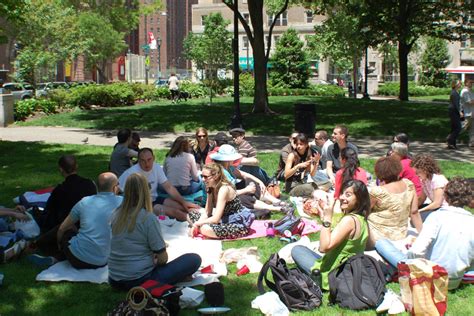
x=226 y=153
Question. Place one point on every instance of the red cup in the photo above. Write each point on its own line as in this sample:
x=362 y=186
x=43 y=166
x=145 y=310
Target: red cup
x=208 y=269
x=243 y=270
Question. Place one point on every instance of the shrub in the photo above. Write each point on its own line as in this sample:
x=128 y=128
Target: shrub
x=61 y=97
x=112 y=95
x=142 y=91
x=161 y=93
x=393 y=89
x=246 y=85
x=25 y=108
x=195 y=90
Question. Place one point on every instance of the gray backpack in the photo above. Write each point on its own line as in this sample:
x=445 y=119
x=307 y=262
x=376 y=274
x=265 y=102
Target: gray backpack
x=295 y=289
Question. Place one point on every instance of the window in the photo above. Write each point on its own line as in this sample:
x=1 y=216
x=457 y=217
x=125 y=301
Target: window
x=281 y=21
x=245 y=41
x=309 y=17
x=203 y=19
x=276 y=38
x=246 y=17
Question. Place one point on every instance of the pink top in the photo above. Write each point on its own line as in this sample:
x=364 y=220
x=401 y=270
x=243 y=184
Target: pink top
x=360 y=174
x=409 y=173
x=436 y=182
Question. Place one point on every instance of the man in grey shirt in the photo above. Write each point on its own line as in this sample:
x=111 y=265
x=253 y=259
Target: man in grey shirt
x=120 y=158
x=339 y=137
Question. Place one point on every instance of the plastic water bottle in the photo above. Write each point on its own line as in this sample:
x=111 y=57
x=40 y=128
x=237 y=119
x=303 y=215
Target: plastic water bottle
x=270 y=230
x=161 y=214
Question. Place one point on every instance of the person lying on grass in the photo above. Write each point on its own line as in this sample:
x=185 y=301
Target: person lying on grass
x=224 y=216
x=348 y=238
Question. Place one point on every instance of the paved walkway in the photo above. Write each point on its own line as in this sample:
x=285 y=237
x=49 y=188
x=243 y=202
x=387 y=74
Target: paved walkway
x=368 y=147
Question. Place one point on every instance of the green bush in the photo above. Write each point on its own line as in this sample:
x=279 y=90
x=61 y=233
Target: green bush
x=25 y=108
x=143 y=91
x=161 y=93
x=112 y=95
x=246 y=85
x=195 y=90
x=393 y=89
x=61 y=97
x=317 y=90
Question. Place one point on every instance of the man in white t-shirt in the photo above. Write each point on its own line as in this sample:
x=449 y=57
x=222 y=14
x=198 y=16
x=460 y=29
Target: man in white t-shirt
x=467 y=107
x=174 y=206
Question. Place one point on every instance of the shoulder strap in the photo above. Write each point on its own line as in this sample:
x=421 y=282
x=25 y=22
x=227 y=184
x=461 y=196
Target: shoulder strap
x=357 y=272
x=263 y=274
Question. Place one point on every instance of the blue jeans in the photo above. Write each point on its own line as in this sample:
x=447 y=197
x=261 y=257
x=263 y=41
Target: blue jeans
x=304 y=258
x=193 y=187
x=389 y=252
x=171 y=273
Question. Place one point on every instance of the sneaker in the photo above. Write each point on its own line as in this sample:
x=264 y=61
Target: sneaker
x=13 y=252
x=41 y=260
x=387 y=302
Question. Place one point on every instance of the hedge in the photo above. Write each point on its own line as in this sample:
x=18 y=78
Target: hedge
x=414 y=90
x=24 y=108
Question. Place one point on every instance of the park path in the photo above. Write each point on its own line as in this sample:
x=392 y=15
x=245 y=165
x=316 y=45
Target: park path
x=368 y=147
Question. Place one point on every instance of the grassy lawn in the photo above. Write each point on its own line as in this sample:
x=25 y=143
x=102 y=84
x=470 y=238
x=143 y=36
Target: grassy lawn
x=422 y=121
x=26 y=166
x=431 y=98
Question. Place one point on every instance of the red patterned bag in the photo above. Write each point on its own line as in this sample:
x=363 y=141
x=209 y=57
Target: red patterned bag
x=424 y=287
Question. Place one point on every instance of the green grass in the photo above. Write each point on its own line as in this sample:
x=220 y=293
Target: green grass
x=378 y=118
x=432 y=98
x=26 y=166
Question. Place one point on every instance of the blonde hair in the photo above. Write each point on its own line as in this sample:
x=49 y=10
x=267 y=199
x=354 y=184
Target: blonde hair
x=136 y=197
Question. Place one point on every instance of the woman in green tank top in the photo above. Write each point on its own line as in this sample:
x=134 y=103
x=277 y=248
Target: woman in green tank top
x=348 y=238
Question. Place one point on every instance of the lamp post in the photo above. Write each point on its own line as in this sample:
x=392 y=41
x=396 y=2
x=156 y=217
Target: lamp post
x=158 y=43
x=146 y=49
x=366 y=73
x=236 y=120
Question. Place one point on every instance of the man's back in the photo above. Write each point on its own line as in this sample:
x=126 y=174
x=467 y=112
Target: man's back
x=64 y=197
x=447 y=238
x=92 y=243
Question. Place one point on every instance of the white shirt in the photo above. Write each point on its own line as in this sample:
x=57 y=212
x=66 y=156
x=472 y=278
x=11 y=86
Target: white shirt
x=173 y=83
x=447 y=238
x=155 y=176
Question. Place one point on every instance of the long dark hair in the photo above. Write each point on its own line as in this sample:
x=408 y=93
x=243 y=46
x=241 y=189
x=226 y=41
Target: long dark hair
x=180 y=145
x=351 y=164
x=362 y=206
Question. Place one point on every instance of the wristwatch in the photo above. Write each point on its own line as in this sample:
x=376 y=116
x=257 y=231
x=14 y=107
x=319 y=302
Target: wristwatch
x=326 y=224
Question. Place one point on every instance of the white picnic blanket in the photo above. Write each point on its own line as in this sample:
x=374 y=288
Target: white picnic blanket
x=176 y=236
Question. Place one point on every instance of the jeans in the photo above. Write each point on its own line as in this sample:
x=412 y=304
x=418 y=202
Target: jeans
x=304 y=258
x=170 y=273
x=193 y=187
x=389 y=252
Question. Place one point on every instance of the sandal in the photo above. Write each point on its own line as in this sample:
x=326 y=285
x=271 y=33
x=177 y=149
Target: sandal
x=280 y=203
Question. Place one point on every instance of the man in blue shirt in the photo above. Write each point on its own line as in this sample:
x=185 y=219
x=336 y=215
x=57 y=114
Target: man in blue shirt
x=88 y=247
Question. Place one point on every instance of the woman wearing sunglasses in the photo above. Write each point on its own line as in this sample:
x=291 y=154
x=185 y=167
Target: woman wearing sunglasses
x=201 y=146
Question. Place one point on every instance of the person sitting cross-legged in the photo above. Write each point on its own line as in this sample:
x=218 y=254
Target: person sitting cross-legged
x=348 y=238
x=88 y=247
x=447 y=237
x=138 y=251
x=120 y=159
x=175 y=206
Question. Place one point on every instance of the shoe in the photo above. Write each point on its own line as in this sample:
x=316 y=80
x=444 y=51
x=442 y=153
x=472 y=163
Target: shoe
x=387 y=302
x=41 y=260
x=289 y=210
x=452 y=147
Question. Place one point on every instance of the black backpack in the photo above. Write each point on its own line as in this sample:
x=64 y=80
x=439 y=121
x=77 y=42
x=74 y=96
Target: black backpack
x=357 y=283
x=295 y=289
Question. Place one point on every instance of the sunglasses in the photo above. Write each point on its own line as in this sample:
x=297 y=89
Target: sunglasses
x=201 y=136
x=206 y=177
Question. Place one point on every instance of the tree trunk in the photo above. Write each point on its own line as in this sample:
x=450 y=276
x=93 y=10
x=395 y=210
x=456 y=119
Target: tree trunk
x=102 y=72
x=355 y=77
x=403 y=50
x=260 y=99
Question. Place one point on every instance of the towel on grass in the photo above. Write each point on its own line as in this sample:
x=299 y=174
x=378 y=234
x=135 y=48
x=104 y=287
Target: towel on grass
x=176 y=236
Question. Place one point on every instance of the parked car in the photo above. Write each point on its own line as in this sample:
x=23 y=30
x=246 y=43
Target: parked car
x=20 y=91
x=162 y=82
x=73 y=84
x=43 y=88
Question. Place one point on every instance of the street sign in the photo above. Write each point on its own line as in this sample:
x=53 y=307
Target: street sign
x=147 y=61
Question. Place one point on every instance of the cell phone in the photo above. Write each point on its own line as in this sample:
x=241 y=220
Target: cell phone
x=315 y=149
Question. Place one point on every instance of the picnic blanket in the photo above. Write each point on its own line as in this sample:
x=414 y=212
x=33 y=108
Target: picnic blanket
x=34 y=198
x=176 y=236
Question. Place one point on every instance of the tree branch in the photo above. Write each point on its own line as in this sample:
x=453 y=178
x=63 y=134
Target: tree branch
x=248 y=31
x=269 y=44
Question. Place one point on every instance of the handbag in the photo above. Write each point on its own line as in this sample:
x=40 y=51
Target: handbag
x=423 y=286
x=273 y=187
x=288 y=222
x=140 y=302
